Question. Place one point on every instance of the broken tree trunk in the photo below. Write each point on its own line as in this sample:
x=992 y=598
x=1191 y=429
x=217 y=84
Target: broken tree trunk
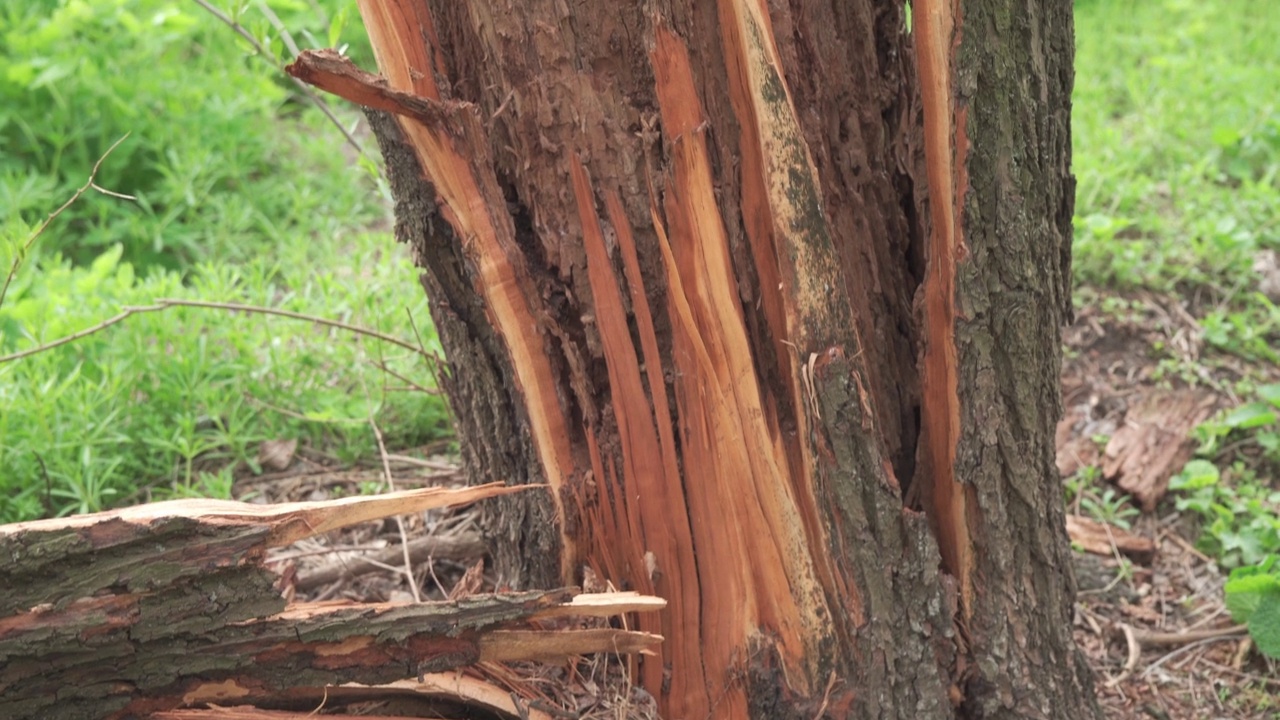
x=126 y=613
x=770 y=295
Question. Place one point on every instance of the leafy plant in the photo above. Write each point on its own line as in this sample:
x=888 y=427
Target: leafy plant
x=1109 y=507
x=164 y=398
x=1241 y=526
x=1253 y=597
x=212 y=158
x=1178 y=148
x=1257 y=421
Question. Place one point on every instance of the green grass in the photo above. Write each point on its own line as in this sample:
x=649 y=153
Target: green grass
x=245 y=194
x=219 y=169
x=1177 y=143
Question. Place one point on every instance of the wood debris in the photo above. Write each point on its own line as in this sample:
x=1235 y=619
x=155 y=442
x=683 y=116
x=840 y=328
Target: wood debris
x=156 y=608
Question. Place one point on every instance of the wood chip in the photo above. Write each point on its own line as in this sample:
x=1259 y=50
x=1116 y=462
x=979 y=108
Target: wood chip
x=1098 y=538
x=1155 y=442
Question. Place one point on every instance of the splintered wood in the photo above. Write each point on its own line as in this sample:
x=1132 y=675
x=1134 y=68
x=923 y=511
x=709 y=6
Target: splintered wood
x=159 y=607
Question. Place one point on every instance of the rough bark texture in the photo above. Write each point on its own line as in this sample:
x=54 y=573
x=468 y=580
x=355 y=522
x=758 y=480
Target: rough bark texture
x=769 y=294
x=122 y=614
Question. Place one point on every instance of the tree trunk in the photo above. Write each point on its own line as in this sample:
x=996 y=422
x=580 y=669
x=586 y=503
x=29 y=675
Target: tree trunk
x=769 y=294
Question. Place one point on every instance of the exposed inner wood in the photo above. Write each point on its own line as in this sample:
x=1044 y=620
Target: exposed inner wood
x=740 y=495
x=453 y=151
x=650 y=476
x=454 y=686
x=944 y=495
x=701 y=212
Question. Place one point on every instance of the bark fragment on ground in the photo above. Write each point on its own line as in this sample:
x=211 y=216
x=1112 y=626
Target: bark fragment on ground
x=125 y=613
x=1155 y=441
x=1108 y=540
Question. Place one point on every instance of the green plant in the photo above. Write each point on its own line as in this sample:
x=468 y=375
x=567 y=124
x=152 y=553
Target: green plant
x=1177 y=143
x=1081 y=482
x=223 y=159
x=163 y=397
x=1241 y=525
x=1253 y=597
x=1255 y=422
x=240 y=199
x=1109 y=507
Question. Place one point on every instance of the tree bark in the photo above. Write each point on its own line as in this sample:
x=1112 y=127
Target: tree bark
x=127 y=613
x=769 y=295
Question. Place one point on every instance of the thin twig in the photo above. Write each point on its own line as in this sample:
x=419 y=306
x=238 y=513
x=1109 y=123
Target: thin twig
x=1273 y=682
x=276 y=23
x=1149 y=638
x=265 y=55
x=433 y=364
x=1181 y=651
x=404 y=536
x=89 y=184
x=128 y=311
x=1131 y=661
x=290 y=314
x=165 y=303
x=410 y=460
x=300 y=416
x=412 y=385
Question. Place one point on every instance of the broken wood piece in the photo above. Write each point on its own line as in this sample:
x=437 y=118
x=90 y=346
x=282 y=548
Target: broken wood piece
x=124 y=655
x=1154 y=442
x=513 y=645
x=334 y=73
x=1152 y=638
x=154 y=546
x=453 y=686
x=247 y=712
x=1099 y=538
x=126 y=613
x=460 y=547
x=288 y=522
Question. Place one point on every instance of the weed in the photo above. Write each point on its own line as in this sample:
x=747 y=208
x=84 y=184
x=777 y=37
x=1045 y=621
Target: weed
x=1253 y=597
x=1240 y=522
x=240 y=199
x=166 y=397
x=1109 y=507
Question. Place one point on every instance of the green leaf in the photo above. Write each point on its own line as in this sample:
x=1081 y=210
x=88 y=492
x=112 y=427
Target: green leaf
x=1195 y=475
x=1270 y=393
x=1252 y=415
x=1247 y=586
x=1264 y=626
x=337 y=25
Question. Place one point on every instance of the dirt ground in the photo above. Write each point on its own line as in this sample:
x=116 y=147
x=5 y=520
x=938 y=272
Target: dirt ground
x=1150 y=615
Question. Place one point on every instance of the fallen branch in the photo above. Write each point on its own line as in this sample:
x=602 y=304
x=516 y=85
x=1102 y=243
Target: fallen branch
x=452 y=686
x=461 y=547
x=152 y=608
x=1108 y=540
x=1147 y=638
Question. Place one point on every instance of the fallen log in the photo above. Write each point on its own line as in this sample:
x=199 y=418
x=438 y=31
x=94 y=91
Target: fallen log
x=133 y=612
